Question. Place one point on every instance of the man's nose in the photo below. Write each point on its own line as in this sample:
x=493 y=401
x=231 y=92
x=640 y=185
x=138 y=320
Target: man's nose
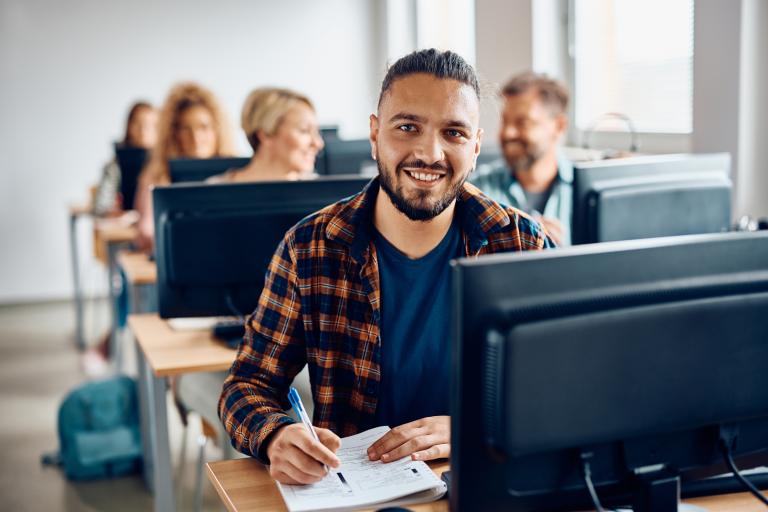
x=509 y=131
x=430 y=150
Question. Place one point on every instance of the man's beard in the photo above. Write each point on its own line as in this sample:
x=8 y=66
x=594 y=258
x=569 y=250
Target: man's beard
x=525 y=159
x=415 y=210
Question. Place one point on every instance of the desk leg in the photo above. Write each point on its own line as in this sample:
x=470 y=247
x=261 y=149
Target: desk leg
x=115 y=289
x=161 y=446
x=79 y=320
x=145 y=415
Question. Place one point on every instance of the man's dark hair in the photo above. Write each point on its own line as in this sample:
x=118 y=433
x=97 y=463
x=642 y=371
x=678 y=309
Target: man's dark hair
x=553 y=94
x=433 y=62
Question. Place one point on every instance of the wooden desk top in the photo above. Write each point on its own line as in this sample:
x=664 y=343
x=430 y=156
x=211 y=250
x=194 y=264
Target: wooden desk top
x=109 y=230
x=116 y=229
x=77 y=210
x=245 y=486
x=139 y=270
x=171 y=352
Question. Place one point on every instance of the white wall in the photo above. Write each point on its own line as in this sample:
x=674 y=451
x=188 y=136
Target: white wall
x=752 y=187
x=716 y=78
x=69 y=71
x=504 y=47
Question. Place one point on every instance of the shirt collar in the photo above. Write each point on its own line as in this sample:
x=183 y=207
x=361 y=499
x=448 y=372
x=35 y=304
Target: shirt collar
x=352 y=224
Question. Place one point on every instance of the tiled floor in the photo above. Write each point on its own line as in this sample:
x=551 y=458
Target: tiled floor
x=38 y=365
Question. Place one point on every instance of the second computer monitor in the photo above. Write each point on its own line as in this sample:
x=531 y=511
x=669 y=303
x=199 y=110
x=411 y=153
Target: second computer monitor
x=214 y=242
x=130 y=160
x=184 y=170
x=345 y=156
x=651 y=196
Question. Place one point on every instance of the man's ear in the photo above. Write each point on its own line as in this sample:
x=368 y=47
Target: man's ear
x=478 y=145
x=374 y=135
x=561 y=122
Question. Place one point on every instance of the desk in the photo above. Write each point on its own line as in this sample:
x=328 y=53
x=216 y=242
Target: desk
x=138 y=268
x=244 y=485
x=162 y=352
x=75 y=212
x=111 y=231
x=110 y=236
x=141 y=276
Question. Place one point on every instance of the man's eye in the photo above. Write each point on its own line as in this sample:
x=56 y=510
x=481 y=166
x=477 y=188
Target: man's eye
x=407 y=128
x=454 y=133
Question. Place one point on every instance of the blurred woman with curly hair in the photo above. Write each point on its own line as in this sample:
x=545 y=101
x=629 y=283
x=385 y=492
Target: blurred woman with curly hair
x=192 y=124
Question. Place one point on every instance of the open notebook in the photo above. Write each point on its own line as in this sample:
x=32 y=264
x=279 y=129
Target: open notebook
x=359 y=482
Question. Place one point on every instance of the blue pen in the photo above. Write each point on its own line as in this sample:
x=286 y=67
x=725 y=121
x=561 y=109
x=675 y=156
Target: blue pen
x=295 y=399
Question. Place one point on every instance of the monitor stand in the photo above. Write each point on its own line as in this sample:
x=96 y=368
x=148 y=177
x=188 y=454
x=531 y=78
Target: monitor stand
x=657 y=493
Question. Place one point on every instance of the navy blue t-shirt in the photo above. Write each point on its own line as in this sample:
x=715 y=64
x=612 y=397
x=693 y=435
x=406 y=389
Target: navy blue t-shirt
x=415 y=330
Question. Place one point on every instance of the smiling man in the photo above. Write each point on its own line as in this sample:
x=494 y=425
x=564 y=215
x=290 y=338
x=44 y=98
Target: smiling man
x=360 y=290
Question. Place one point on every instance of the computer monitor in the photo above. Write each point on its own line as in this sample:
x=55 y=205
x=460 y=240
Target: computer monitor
x=345 y=156
x=635 y=357
x=329 y=132
x=183 y=170
x=651 y=196
x=131 y=161
x=213 y=242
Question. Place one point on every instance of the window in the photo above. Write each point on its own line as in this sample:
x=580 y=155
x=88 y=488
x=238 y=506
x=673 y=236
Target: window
x=634 y=57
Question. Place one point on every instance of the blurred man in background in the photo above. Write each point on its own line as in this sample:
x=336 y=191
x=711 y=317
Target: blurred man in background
x=533 y=176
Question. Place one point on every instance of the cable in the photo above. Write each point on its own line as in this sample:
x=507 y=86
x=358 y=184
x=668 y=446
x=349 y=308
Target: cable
x=744 y=482
x=232 y=308
x=588 y=480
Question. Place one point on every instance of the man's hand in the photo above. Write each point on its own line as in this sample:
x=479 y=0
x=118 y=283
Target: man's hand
x=424 y=439
x=553 y=227
x=296 y=458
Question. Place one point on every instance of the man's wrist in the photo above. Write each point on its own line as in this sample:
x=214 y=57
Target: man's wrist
x=275 y=425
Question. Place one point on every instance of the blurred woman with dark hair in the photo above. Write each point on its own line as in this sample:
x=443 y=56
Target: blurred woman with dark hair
x=140 y=132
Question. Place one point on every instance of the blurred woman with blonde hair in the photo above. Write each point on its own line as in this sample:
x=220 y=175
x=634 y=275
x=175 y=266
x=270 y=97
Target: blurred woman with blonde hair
x=281 y=127
x=192 y=124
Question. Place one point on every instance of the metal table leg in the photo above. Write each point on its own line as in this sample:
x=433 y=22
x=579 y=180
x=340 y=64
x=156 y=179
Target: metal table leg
x=79 y=320
x=162 y=471
x=115 y=289
x=145 y=416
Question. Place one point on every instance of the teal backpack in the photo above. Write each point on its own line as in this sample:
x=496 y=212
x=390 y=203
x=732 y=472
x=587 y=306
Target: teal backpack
x=99 y=430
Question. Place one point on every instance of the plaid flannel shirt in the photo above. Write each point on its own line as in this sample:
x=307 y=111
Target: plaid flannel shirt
x=321 y=306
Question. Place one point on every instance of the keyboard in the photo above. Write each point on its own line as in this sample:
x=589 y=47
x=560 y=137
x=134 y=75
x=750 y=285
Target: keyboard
x=229 y=332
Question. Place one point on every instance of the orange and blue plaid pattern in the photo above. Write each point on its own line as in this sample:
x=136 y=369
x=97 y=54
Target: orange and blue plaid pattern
x=321 y=306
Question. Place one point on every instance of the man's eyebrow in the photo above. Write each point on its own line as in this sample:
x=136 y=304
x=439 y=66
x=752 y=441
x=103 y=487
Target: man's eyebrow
x=455 y=123
x=404 y=116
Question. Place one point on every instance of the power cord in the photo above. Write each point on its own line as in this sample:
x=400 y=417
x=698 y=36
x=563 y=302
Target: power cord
x=587 y=472
x=232 y=308
x=725 y=447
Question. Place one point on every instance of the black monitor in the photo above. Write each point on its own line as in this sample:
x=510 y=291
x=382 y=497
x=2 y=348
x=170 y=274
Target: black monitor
x=214 y=241
x=345 y=156
x=183 y=170
x=329 y=132
x=651 y=196
x=635 y=357
x=130 y=160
